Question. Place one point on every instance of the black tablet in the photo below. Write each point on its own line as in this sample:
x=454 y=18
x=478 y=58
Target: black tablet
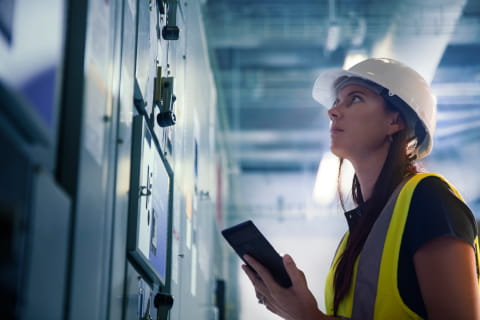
x=245 y=238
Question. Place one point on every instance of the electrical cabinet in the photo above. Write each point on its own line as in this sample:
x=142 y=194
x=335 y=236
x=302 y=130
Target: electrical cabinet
x=34 y=221
x=34 y=209
x=150 y=205
x=108 y=193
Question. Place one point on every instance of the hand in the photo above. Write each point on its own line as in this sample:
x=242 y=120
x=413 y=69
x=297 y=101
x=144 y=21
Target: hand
x=294 y=303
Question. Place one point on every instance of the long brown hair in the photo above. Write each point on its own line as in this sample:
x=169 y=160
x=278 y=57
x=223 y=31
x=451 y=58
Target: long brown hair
x=396 y=166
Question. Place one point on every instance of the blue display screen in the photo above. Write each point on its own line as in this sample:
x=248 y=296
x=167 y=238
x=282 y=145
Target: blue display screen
x=160 y=214
x=39 y=90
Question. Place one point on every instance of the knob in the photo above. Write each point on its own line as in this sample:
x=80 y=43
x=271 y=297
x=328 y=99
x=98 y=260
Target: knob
x=163 y=300
x=170 y=32
x=166 y=119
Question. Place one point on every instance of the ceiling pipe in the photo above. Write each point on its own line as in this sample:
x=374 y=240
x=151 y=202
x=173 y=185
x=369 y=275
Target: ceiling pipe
x=333 y=29
x=419 y=34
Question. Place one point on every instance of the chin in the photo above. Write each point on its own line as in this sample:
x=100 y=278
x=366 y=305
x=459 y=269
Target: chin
x=339 y=152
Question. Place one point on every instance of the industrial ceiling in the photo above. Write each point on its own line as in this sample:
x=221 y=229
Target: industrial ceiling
x=267 y=53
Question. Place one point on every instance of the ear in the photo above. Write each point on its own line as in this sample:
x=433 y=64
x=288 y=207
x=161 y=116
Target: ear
x=396 y=123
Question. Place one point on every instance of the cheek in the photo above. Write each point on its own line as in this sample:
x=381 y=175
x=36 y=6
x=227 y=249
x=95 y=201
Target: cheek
x=375 y=122
x=367 y=130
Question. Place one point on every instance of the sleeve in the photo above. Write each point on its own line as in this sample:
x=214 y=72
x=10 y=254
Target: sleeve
x=434 y=212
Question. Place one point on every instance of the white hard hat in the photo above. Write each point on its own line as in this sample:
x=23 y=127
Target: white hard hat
x=401 y=82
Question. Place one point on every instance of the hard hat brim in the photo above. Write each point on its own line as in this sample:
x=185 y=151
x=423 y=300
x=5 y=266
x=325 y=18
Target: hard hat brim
x=323 y=89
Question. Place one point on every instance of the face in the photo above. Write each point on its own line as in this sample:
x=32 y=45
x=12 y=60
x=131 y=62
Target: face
x=361 y=124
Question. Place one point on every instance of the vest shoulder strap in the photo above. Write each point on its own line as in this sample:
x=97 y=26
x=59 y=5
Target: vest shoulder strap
x=369 y=261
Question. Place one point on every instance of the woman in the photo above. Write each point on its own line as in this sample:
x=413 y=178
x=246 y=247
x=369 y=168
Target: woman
x=411 y=251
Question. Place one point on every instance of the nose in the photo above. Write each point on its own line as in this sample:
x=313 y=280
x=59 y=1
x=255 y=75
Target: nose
x=333 y=113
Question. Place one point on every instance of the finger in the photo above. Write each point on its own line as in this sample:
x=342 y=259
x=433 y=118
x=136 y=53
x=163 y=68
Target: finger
x=254 y=278
x=264 y=274
x=252 y=271
x=260 y=288
x=296 y=275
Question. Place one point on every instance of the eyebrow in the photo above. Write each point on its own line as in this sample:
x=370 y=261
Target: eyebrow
x=356 y=92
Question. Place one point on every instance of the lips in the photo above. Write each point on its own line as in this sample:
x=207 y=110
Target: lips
x=335 y=129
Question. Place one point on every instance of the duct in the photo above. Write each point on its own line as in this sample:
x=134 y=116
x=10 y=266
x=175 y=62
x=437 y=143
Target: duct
x=333 y=29
x=419 y=33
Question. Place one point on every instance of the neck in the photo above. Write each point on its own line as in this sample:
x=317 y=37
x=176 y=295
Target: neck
x=367 y=170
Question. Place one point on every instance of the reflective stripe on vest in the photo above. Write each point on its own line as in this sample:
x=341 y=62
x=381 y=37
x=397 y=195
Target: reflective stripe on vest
x=374 y=292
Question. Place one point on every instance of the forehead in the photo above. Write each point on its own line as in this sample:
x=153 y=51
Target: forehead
x=355 y=88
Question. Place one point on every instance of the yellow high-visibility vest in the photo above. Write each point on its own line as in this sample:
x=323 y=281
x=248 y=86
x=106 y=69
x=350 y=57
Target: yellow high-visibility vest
x=374 y=291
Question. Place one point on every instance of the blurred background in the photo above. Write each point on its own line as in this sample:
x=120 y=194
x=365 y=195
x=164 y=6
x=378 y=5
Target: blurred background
x=133 y=131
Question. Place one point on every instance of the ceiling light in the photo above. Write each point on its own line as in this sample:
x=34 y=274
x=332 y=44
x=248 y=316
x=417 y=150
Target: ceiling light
x=353 y=57
x=325 y=183
x=333 y=37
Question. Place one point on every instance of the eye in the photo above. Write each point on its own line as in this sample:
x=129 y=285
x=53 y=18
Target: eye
x=356 y=99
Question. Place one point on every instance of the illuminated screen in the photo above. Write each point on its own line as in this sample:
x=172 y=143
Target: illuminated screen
x=159 y=231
